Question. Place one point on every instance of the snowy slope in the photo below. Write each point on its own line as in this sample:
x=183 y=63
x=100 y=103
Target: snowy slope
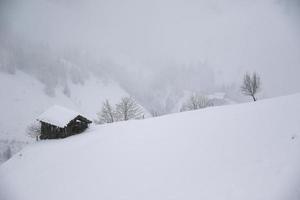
x=237 y=152
x=23 y=99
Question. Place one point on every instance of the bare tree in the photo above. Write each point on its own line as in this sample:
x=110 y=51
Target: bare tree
x=107 y=114
x=196 y=102
x=251 y=85
x=34 y=130
x=128 y=109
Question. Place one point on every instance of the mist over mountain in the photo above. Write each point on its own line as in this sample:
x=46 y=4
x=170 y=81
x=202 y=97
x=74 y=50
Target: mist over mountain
x=156 y=50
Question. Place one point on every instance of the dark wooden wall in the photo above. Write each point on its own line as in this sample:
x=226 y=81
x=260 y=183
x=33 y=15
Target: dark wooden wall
x=76 y=126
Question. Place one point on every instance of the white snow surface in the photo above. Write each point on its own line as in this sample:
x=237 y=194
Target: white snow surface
x=237 y=152
x=58 y=115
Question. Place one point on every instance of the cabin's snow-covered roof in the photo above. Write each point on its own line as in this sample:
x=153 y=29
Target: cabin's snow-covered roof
x=58 y=116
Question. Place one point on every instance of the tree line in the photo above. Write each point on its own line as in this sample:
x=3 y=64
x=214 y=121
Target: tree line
x=128 y=108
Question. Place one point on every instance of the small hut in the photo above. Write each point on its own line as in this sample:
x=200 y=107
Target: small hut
x=60 y=122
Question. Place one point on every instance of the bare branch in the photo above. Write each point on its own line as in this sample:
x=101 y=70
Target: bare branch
x=196 y=102
x=251 y=85
x=128 y=109
x=107 y=114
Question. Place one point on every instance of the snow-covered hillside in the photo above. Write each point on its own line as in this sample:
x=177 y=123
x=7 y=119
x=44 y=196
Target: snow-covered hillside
x=23 y=98
x=247 y=151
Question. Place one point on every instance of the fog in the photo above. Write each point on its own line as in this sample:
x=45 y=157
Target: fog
x=160 y=45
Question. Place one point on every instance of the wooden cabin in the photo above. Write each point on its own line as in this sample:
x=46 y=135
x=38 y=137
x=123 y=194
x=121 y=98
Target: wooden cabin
x=60 y=122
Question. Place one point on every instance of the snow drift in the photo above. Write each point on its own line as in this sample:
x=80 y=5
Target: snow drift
x=247 y=151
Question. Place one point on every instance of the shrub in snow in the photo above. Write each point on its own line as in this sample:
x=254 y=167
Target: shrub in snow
x=155 y=113
x=196 y=102
x=34 y=130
